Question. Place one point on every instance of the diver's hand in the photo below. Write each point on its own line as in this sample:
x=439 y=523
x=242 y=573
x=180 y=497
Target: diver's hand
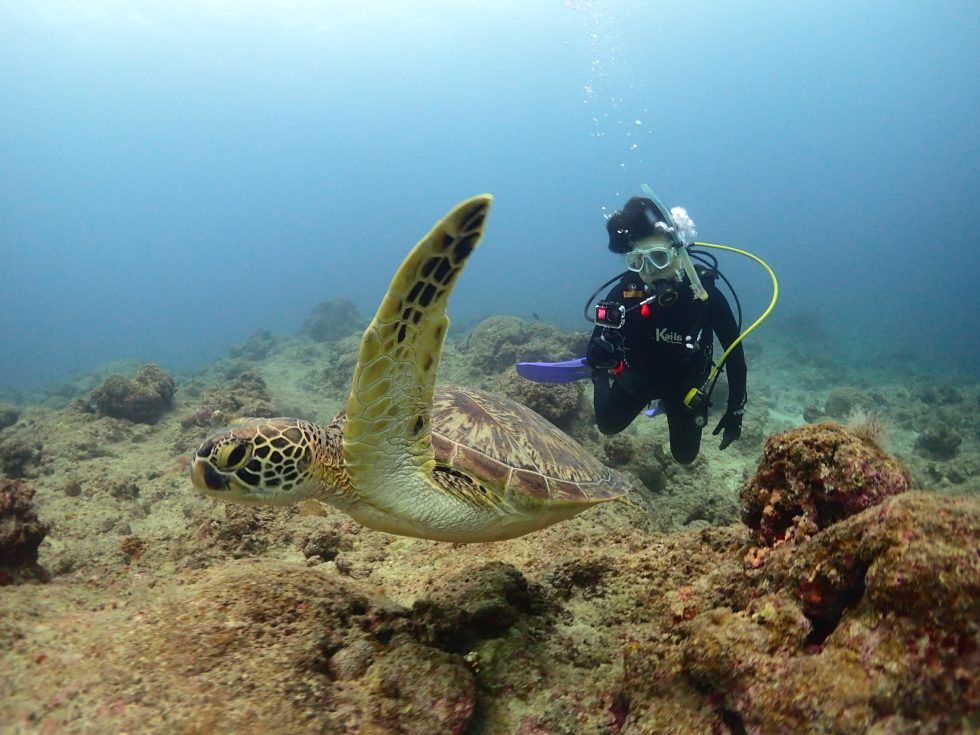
x=731 y=424
x=605 y=351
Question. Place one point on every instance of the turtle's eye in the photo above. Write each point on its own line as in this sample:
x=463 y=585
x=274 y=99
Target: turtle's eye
x=231 y=456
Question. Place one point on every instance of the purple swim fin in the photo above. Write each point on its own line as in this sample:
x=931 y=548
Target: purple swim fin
x=555 y=372
x=654 y=409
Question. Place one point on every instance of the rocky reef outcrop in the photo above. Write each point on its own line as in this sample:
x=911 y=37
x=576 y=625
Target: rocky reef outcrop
x=939 y=441
x=244 y=394
x=142 y=399
x=21 y=533
x=563 y=404
x=8 y=415
x=864 y=620
x=499 y=342
x=332 y=320
x=868 y=626
x=814 y=476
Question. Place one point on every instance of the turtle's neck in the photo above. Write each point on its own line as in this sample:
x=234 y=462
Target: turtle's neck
x=329 y=468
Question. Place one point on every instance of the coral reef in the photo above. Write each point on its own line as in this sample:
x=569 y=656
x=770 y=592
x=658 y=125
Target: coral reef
x=939 y=441
x=257 y=347
x=868 y=626
x=636 y=455
x=142 y=399
x=814 y=476
x=21 y=533
x=333 y=319
x=8 y=415
x=939 y=394
x=230 y=647
x=171 y=613
x=245 y=394
x=335 y=369
x=563 y=404
x=19 y=454
x=591 y=626
x=499 y=342
x=416 y=690
x=844 y=399
x=753 y=430
x=484 y=602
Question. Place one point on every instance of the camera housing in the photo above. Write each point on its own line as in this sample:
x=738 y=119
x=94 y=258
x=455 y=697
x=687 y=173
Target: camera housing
x=610 y=314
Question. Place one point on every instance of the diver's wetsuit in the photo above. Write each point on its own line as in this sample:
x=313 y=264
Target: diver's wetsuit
x=659 y=365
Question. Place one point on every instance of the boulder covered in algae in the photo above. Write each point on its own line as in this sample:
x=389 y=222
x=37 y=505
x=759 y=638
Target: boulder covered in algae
x=813 y=476
x=868 y=621
x=21 y=533
x=869 y=626
x=498 y=342
x=141 y=399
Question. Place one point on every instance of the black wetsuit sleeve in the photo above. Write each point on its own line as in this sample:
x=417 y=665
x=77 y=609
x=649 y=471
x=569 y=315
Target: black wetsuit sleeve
x=724 y=325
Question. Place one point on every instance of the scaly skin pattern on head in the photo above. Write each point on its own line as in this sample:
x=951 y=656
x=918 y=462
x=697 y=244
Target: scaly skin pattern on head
x=274 y=461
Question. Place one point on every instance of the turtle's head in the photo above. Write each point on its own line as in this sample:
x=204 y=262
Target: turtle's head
x=263 y=462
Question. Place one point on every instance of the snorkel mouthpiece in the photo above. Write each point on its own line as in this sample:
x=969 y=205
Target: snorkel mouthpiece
x=678 y=235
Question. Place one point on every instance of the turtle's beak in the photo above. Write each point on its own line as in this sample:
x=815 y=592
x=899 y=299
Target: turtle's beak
x=204 y=477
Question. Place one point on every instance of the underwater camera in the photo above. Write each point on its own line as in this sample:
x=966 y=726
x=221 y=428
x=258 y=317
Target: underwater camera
x=610 y=314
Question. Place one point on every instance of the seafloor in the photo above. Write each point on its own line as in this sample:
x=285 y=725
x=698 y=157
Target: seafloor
x=810 y=583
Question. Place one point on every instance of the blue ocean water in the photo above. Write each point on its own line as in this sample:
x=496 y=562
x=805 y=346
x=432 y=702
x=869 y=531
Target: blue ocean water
x=177 y=175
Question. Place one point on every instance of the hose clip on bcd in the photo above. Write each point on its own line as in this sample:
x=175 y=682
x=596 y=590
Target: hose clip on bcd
x=696 y=399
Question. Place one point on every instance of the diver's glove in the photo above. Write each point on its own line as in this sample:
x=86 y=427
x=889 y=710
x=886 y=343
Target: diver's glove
x=605 y=351
x=731 y=424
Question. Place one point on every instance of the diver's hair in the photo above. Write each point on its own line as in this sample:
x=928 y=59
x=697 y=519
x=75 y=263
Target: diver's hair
x=632 y=223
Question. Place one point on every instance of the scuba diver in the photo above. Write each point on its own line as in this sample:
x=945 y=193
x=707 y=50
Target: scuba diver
x=653 y=342
x=654 y=332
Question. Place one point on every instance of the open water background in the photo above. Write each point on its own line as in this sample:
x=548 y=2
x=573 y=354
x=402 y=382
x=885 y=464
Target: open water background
x=177 y=175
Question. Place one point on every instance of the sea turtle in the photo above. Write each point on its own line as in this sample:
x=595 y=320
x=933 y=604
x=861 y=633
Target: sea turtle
x=453 y=464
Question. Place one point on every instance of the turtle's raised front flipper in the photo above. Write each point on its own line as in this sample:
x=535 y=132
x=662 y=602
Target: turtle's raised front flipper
x=387 y=439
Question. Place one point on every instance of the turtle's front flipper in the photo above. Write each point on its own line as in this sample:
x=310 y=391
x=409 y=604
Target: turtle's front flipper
x=387 y=439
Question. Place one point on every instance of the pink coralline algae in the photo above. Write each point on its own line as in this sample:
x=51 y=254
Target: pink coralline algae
x=855 y=608
x=814 y=476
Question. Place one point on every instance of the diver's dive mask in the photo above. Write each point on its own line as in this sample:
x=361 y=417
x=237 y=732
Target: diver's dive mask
x=658 y=257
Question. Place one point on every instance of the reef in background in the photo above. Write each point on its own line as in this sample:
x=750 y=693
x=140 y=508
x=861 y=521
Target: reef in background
x=847 y=604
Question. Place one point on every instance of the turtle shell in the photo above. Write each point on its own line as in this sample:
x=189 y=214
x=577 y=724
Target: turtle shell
x=516 y=451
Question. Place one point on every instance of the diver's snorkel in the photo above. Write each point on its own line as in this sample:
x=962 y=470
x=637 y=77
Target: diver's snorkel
x=679 y=236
